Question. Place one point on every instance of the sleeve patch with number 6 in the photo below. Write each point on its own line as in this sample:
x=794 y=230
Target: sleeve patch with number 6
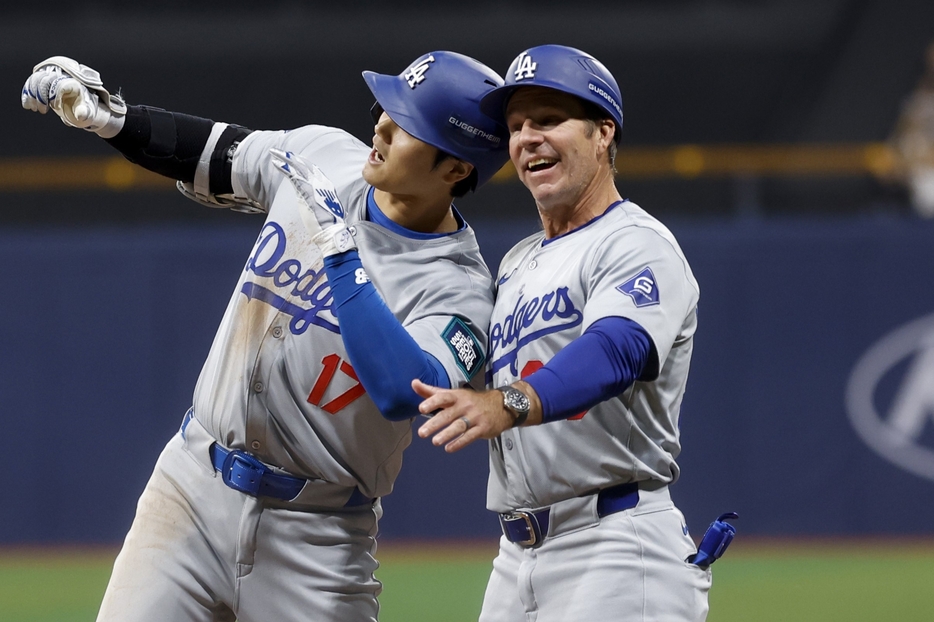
x=642 y=288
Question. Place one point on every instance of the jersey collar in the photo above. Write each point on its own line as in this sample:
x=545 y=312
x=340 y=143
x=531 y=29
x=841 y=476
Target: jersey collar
x=375 y=215
x=586 y=224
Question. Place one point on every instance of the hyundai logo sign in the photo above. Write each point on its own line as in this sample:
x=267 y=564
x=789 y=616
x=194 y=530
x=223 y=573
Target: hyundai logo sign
x=890 y=397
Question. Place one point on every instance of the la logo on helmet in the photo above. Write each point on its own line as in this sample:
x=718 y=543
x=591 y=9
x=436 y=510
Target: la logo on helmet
x=526 y=67
x=416 y=74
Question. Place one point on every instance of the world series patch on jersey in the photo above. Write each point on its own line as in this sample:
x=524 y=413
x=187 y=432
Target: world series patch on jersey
x=623 y=264
x=464 y=346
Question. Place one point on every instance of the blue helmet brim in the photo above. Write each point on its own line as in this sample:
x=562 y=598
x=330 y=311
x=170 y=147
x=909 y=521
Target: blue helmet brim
x=494 y=103
x=437 y=102
x=563 y=69
x=386 y=90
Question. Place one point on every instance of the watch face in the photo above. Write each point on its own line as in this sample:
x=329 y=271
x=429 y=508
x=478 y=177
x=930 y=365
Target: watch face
x=516 y=400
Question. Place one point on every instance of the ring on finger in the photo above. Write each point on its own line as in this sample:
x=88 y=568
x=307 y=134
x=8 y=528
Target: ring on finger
x=466 y=424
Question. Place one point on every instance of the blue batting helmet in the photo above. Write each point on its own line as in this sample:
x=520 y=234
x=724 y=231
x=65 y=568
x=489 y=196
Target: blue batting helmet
x=437 y=100
x=564 y=69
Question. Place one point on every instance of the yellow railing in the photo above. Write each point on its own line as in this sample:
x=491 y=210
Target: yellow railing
x=692 y=161
x=76 y=173
x=679 y=161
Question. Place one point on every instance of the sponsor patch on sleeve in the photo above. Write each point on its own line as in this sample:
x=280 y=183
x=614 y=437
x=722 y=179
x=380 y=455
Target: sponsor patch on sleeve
x=464 y=346
x=642 y=288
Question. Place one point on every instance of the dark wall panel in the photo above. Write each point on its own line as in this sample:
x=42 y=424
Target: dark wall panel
x=103 y=331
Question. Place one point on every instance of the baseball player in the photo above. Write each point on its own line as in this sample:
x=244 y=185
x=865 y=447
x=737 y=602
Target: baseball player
x=590 y=344
x=364 y=276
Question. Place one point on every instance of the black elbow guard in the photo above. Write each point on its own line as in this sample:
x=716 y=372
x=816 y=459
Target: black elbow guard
x=171 y=144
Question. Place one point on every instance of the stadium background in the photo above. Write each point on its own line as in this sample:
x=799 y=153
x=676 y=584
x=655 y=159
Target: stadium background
x=757 y=130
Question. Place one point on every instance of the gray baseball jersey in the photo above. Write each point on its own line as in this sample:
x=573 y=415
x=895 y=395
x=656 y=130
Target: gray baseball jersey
x=623 y=264
x=277 y=381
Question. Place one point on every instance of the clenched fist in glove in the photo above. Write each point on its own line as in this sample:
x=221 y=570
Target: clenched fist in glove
x=76 y=94
x=323 y=213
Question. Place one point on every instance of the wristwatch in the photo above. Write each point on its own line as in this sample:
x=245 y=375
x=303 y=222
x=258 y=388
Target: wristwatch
x=516 y=402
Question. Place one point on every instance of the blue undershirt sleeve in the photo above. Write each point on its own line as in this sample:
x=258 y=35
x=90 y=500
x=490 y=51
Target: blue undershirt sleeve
x=608 y=357
x=383 y=354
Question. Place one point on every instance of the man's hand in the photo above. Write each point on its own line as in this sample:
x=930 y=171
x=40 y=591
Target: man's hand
x=463 y=416
x=322 y=211
x=35 y=95
x=75 y=93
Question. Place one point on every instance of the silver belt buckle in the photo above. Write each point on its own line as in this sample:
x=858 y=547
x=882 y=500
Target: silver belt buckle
x=531 y=524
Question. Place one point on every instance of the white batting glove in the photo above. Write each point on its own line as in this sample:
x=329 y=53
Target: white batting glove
x=322 y=211
x=75 y=93
x=36 y=90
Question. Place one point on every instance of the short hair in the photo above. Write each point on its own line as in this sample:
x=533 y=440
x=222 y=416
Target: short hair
x=594 y=114
x=462 y=187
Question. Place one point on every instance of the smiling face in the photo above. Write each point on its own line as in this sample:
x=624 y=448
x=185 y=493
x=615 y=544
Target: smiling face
x=559 y=153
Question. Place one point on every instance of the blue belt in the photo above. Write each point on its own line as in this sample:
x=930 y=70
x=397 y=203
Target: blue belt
x=244 y=472
x=528 y=529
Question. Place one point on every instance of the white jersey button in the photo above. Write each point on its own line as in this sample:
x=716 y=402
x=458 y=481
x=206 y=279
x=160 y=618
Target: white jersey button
x=533 y=264
x=258 y=387
x=256 y=444
x=277 y=332
x=509 y=444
